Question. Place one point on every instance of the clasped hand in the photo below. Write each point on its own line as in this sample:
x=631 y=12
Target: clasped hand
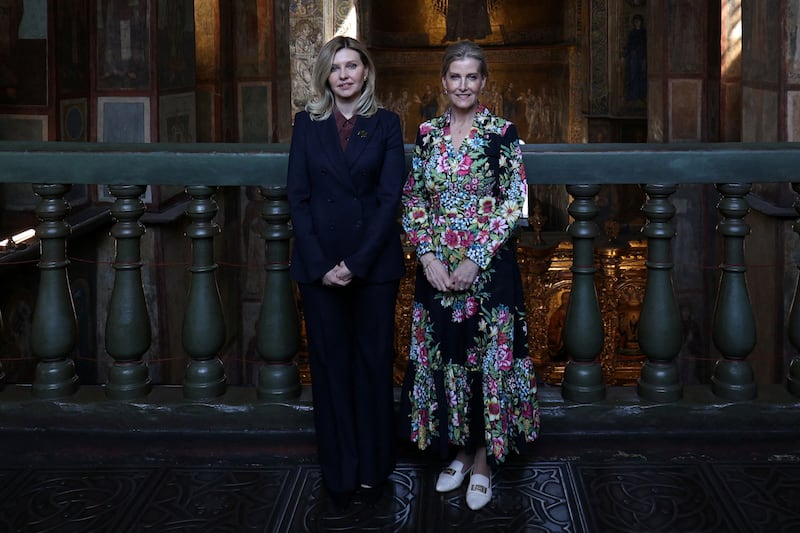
x=338 y=276
x=459 y=280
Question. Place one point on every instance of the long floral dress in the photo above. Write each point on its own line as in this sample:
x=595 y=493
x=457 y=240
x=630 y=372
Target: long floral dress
x=470 y=380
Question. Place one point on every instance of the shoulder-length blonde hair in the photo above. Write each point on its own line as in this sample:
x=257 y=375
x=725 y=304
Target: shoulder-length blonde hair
x=321 y=104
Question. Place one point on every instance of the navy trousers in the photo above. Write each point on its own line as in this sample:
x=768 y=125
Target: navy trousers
x=350 y=332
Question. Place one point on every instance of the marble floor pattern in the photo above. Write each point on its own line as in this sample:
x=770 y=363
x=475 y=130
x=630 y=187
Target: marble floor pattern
x=93 y=483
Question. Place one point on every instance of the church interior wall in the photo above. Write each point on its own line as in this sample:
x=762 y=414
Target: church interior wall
x=563 y=71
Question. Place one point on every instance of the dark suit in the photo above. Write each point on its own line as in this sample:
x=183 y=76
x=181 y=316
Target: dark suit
x=344 y=207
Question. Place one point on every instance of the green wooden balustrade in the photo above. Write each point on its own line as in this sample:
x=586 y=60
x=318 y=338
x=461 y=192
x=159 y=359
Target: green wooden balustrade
x=51 y=169
x=127 y=311
x=659 y=318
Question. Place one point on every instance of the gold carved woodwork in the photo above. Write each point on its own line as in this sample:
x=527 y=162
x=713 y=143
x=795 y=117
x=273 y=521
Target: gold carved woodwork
x=547 y=279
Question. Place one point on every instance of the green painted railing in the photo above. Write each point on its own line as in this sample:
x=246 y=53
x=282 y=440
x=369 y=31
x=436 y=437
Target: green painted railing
x=52 y=168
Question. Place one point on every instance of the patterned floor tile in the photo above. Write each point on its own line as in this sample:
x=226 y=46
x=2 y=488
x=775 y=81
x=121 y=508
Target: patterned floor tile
x=652 y=498
x=766 y=496
x=618 y=493
x=216 y=499
x=399 y=510
x=9 y=477
x=72 y=499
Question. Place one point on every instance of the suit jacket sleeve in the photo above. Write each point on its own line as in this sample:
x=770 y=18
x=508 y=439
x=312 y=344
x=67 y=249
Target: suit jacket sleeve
x=307 y=248
x=383 y=226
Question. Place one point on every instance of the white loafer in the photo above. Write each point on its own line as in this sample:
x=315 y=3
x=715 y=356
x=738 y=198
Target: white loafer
x=451 y=477
x=479 y=492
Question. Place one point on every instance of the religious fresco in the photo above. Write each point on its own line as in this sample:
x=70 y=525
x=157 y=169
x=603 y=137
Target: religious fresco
x=72 y=54
x=23 y=53
x=123 y=44
x=176 y=49
x=10 y=18
x=176 y=118
x=306 y=27
x=424 y=23
x=793 y=49
x=530 y=88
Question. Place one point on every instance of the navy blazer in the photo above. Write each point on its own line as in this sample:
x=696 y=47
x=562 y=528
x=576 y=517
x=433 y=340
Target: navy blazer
x=345 y=204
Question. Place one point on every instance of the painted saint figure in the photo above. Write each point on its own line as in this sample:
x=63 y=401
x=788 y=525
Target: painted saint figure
x=635 y=55
x=465 y=19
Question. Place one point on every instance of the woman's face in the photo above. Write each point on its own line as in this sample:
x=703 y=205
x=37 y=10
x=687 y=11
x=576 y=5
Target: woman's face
x=463 y=83
x=347 y=75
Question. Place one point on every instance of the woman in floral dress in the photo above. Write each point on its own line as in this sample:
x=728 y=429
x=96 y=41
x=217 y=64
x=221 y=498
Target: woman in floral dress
x=470 y=382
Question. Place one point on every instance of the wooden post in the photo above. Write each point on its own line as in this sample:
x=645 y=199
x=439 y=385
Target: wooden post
x=659 y=319
x=55 y=327
x=128 y=324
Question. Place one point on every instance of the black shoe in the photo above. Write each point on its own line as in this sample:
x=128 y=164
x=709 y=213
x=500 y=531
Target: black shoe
x=340 y=501
x=372 y=495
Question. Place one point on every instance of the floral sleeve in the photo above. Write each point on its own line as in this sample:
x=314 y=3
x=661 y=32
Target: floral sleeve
x=498 y=214
x=416 y=202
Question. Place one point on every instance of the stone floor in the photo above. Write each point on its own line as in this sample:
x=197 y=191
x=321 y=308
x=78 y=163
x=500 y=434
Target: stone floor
x=229 y=474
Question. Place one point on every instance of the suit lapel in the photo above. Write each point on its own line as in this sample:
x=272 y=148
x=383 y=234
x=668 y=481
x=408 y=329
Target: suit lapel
x=328 y=141
x=363 y=134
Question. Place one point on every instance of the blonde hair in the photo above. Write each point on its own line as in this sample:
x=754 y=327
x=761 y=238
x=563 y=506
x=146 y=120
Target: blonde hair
x=321 y=105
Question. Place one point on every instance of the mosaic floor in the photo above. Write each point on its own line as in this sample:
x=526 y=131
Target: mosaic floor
x=93 y=483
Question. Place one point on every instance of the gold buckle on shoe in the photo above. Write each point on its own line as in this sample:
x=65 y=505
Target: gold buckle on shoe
x=449 y=471
x=478 y=488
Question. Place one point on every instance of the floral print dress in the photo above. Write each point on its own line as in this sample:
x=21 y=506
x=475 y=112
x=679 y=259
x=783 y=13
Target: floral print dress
x=470 y=380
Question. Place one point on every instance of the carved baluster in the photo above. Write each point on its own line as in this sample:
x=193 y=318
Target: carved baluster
x=278 y=335
x=203 y=322
x=793 y=379
x=2 y=374
x=734 y=330
x=128 y=323
x=55 y=328
x=583 y=328
x=659 y=320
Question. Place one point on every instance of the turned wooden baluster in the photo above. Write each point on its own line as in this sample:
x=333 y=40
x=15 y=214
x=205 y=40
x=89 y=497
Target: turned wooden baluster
x=278 y=335
x=128 y=324
x=583 y=328
x=203 y=322
x=2 y=374
x=55 y=327
x=659 y=319
x=793 y=379
x=734 y=329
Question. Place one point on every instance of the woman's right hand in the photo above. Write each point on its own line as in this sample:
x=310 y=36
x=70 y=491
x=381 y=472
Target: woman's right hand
x=435 y=272
x=332 y=279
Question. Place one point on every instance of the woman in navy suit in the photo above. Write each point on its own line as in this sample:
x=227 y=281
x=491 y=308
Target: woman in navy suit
x=346 y=174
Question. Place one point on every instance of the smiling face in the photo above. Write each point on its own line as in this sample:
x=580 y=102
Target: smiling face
x=463 y=83
x=347 y=75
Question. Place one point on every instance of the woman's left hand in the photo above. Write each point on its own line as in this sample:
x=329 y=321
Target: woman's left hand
x=343 y=273
x=464 y=275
